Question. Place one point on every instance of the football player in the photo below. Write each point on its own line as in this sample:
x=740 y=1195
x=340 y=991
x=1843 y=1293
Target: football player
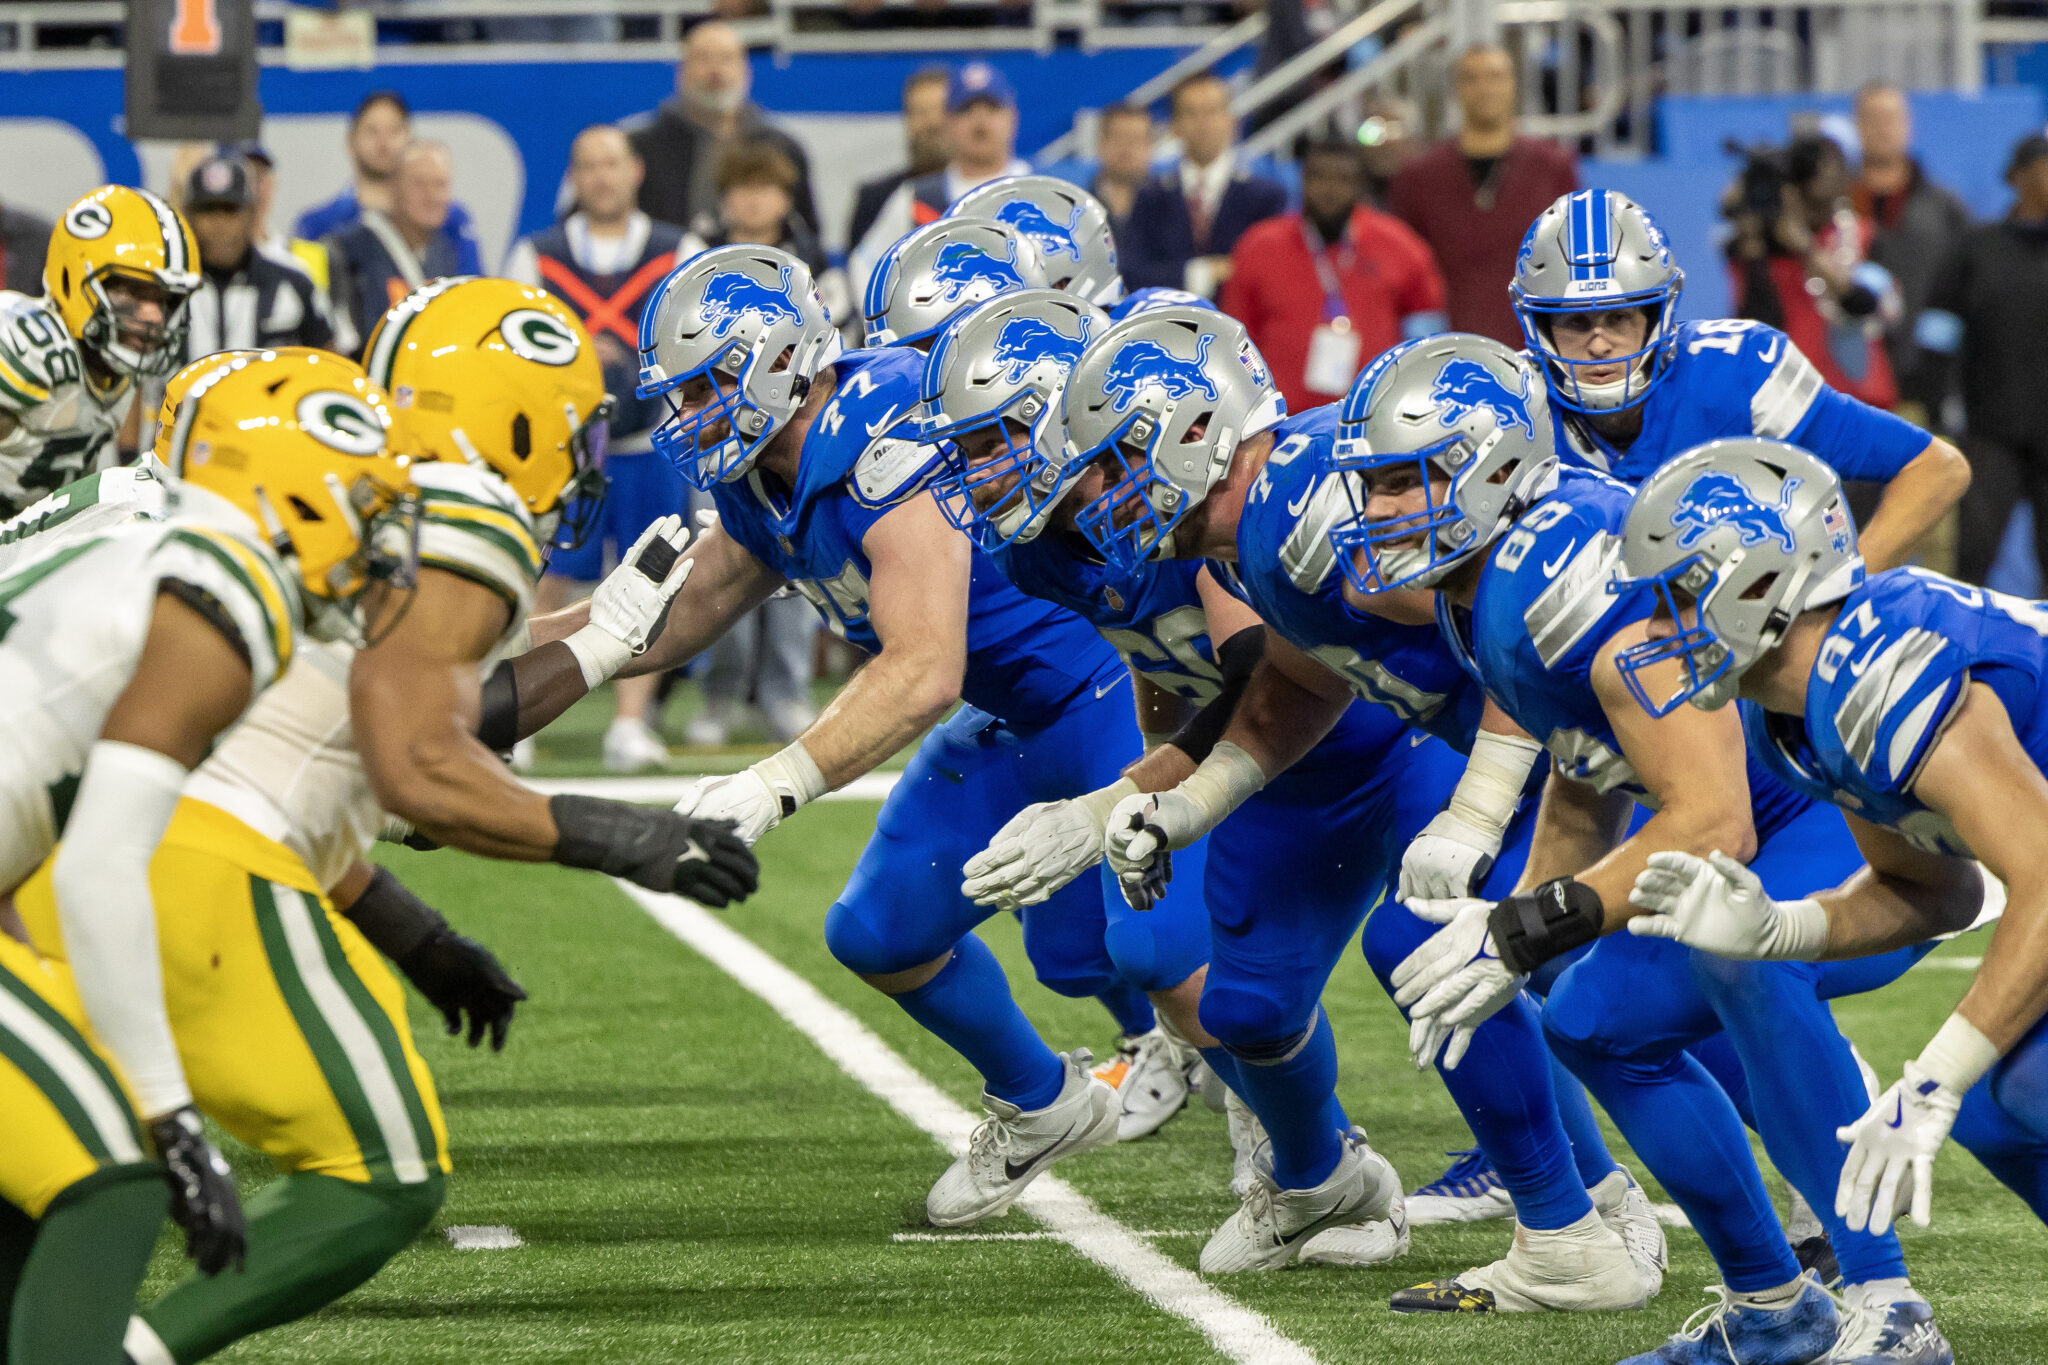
x=120 y=268
x=1596 y=289
x=126 y=655
x=1909 y=700
x=1454 y=484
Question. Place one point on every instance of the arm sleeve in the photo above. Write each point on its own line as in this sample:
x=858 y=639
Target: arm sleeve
x=101 y=878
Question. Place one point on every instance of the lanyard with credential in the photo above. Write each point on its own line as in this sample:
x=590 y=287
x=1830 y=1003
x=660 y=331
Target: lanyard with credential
x=1334 y=311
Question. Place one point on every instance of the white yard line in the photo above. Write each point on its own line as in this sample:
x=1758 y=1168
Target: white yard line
x=667 y=788
x=1149 y=1234
x=1234 y=1330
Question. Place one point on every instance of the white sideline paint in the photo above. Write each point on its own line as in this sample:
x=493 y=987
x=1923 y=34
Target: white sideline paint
x=1148 y=1234
x=667 y=789
x=483 y=1237
x=1233 y=1329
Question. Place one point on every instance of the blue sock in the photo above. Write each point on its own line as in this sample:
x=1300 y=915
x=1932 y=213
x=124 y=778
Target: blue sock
x=1297 y=1101
x=1589 y=1145
x=968 y=1005
x=1130 y=1007
x=1225 y=1066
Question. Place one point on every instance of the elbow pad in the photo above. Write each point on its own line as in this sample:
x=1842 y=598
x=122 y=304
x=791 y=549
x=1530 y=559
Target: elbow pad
x=1237 y=659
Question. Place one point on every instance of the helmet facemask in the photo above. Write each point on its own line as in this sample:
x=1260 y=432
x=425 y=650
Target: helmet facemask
x=1373 y=553
x=1642 y=369
x=127 y=345
x=570 y=522
x=384 y=526
x=1135 y=517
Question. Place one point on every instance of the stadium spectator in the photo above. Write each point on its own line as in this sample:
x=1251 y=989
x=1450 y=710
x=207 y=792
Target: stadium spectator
x=1474 y=194
x=605 y=260
x=981 y=129
x=1123 y=155
x=1325 y=290
x=1387 y=135
x=1187 y=220
x=248 y=296
x=24 y=242
x=387 y=253
x=1988 y=311
x=1913 y=225
x=263 y=180
x=378 y=133
x=756 y=203
x=680 y=142
x=924 y=145
x=1799 y=262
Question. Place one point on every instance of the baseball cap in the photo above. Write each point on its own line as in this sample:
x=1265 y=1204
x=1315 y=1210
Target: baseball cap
x=251 y=150
x=218 y=181
x=979 y=81
x=2026 y=152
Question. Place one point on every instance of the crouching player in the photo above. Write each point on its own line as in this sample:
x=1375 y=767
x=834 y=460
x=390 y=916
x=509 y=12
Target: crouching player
x=1911 y=701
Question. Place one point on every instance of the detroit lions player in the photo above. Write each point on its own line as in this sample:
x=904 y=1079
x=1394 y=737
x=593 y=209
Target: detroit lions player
x=1913 y=702
x=1597 y=291
x=793 y=440
x=1522 y=558
x=939 y=270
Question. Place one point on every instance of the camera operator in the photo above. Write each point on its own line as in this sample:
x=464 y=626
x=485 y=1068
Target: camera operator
x=1800 y=262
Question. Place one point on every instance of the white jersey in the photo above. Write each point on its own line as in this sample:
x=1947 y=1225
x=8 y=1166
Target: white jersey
x=290 y=770
x=64 y=424
x=73 y=620
x=88 y=506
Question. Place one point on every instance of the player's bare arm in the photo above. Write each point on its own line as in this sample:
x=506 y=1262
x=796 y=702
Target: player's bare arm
x=1914 y=502
x=1576 y=826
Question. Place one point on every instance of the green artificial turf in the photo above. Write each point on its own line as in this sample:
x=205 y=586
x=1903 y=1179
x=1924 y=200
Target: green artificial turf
x=694 y=1181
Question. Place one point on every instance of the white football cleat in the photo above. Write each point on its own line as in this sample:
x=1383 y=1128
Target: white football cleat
x=523 y=756
x=1357 y=1244
x=1623 y=1206
x=1273 y=1225
x=710 y=727
x=1888 y=1327
x=1467 y=1192
x=631 y=746
x=1209 y=1086
x=1247 y=1135
x=1011 y=1147
x=1579 y=1268
x=1150 y=1075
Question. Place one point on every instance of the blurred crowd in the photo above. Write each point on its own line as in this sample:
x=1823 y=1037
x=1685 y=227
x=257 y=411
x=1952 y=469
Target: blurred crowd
x=1840 y=238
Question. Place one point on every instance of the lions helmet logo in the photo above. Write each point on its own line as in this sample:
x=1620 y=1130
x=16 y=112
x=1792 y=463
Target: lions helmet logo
x=731 y=296
x=538 y=336
x=89 y=220
x=1035 y=223
x=342 y=422
x=1145 y=364
x=1025 y=341
x=1718 y=496
x=964 y=273
x=1465 y=386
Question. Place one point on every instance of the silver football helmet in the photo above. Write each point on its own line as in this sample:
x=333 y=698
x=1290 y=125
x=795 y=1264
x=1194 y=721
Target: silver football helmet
x=1070 y=226
x=1595 y=251
x=749 y=320
x=1453 y=407
x=1164 y=398
x=1737 y=537
x=942 y=269
x=992 y=388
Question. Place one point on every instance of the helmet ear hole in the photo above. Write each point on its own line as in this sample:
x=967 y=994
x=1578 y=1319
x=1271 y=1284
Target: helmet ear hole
x=303 y=509
x=1757 y=591
x=522 y=437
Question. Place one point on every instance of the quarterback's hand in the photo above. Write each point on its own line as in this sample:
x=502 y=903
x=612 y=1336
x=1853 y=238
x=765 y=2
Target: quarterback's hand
x=744 y=798
x=460 y=976
x=1890 y=1167
x=1719 y=906
x=1041 y=849
x=203 y=1199
x=1448 y=859
x=1453 y=982
x=1141 y=833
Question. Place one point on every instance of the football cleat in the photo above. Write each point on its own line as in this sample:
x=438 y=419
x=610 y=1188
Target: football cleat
x=631 y=746
x=1273 y=1226
x=1580 y=1268
x=1011 y=1148
x=1810 y=1241
x=1357 y=1244
x=1728 y=1333
x=1623 y=1206
x=1881 y=1328
x=1150 y=1076
x=1210 y=1087
x=1247 y=1136
x=1467 y=1192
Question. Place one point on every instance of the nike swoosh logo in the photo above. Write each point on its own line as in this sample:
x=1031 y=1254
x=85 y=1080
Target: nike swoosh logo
x=1107 y=688
x=1856 y=666
x=1550 y=569
x=877 y=428
x=1899 y=1115
x=1294 y=508
x=1016 y=1172
x=1416 y=740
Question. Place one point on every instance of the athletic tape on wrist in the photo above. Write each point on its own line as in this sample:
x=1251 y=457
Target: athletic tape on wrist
x=1958 y=1055
x=1495 y=775
x=599 y=654
x=793 y=775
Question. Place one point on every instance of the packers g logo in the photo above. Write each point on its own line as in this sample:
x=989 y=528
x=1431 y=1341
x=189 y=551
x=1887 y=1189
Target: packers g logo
x=341 y=421
x=539 y=337
x=89 y=220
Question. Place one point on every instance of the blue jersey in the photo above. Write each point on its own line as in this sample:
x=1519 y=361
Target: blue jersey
x=1734 y=378
x=1287 y=570
x=1542 y=615
x=1145 y=300
x=1025 y=659
x=1154 y=619
x=1892 y=671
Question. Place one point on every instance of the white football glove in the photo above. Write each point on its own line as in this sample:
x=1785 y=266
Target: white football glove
x=1890 y=1166
x=744 y=797
x=1041 y=849
x=1140 y=833
x=1719 y=906
x=1446 y=860
x=629 y=608
x=1454 y=982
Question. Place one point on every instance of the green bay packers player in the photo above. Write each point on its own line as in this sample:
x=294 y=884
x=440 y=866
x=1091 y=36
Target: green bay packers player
x=124 y=656
x=120 y=268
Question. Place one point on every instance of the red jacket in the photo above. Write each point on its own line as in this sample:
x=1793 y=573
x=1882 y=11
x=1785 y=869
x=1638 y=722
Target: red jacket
x=1475 y=246
x=1274 y=291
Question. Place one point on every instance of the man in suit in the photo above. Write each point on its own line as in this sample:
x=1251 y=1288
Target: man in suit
x=1186 y=221
x=924 y=139
x=1123 y=154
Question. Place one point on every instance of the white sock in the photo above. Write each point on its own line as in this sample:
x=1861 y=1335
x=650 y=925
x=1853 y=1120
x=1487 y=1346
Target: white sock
x=1774 y=1300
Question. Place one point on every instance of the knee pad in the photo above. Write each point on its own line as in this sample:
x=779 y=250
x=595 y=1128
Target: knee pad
x=856 y=946
x=1252 y=1027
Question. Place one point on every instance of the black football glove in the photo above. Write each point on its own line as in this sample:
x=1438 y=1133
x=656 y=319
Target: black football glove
x=658 y=849
x=203 y=1199
x=460 y=976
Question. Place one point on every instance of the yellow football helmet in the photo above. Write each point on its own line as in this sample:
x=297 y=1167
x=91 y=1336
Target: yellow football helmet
x=133 y=241
x=296 y=440
x=490 y=371
x=180 y=384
